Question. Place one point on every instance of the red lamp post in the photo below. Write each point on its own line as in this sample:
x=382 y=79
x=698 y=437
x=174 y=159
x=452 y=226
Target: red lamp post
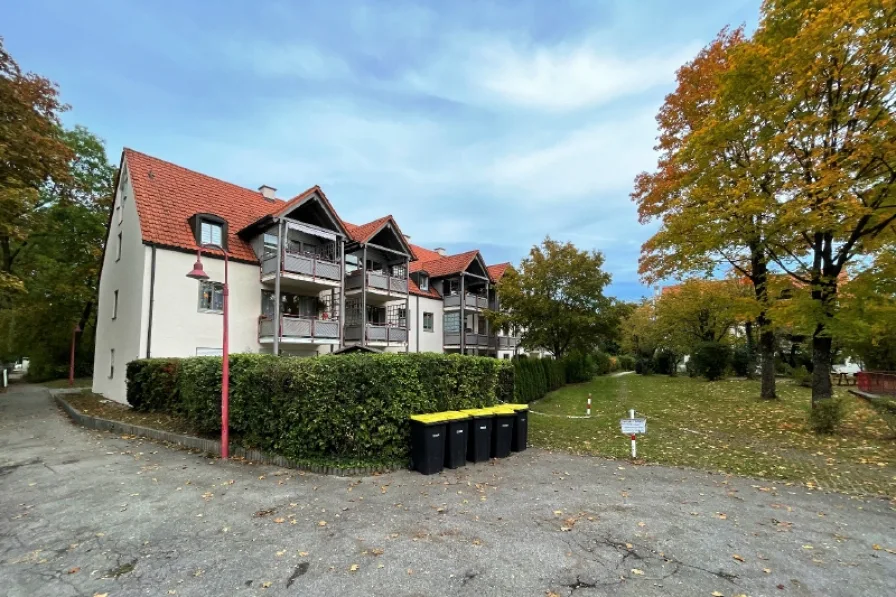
x=199 y=274
x=71 y=364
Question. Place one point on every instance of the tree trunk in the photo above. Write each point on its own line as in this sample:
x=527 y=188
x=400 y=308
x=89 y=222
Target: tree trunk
x=821 y=367
x=751 y=350
x=767 y=361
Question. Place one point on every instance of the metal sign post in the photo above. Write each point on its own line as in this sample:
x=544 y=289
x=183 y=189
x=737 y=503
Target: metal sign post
x=632 y=426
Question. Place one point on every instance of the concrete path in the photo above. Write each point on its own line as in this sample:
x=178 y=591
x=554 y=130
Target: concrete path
x=86 y=513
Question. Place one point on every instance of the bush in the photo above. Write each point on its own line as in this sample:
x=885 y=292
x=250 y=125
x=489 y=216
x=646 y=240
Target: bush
x=346 y=407
x=666 y=362
x=826 y=415
x=614 y=364
x=743 y=361
x=626 y=362
x=152 y=385
x=802 y=376
x=603 y=363
x=580 y=367
x=644 y=366
x=711 y=360
x=533 y=378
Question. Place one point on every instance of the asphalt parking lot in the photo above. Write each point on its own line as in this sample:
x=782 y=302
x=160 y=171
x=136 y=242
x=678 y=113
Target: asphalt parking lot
x=85 y=513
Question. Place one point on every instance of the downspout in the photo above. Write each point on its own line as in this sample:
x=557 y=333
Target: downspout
x=342 y=317
x=152 y=300
x=276 y=325
x=407 y=302
x=463 y=316
x=364 y=295
x=419 y=323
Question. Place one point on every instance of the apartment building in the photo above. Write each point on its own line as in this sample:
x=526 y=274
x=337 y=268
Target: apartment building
x=302 y=281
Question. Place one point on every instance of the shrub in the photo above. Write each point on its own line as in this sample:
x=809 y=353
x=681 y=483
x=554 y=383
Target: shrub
x=711 y=360
x=802 y=376
x=644 y=366
x=579 y=367
x=152 y=385
x=614 y=364
x=533 y=378
x=626 y=362
x=666 y=362
x=603 y=363
x=826 y=415
x=346 y=407
x=743 y=361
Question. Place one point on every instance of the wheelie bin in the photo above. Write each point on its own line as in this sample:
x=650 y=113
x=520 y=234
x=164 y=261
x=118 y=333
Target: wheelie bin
x=520 y=427
x=457 y=428
x=479 y=442
x=502 y=431
x=428 y=443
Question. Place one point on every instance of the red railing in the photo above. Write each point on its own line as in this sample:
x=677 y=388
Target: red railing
x=876 y=382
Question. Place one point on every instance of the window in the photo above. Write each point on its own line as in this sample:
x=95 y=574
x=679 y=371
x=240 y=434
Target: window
x=424 y=283
x=452 y=323
x=428 y=322
x=211 y=297
x=270 y=245
x=352 y=263
x=210 y=233
x=208 y=352
x=118 y=250
x=452 y=287
x=111 y=363
x=402 y=317
x=115 y=305
x=374 y=266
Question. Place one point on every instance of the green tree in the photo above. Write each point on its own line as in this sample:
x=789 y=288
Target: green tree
x=697 y=312
x=33 y=154
x=556 y=297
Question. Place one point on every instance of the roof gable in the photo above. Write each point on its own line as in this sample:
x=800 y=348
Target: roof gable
x=375 y=231
x=313 y=207
x=496 y=272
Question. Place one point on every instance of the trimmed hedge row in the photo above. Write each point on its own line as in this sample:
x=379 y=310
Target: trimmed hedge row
x=345 y=407
x=533 y=378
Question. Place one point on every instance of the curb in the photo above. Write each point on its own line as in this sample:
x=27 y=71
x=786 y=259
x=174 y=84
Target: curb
x=209 y=446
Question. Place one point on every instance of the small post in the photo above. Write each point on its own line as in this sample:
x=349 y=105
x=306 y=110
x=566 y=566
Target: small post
x=634 y=446
x=631 y=413
x=588 y=410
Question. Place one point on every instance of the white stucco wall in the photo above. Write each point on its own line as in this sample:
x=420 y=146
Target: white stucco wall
x=179 y=328
x=122 y=334
x=429 y=341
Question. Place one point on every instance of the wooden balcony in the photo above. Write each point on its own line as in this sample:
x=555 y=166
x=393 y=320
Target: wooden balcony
x=375 y=333
x=508 y=342
x=472 y=340
x=377 y=282
x=302 y=264
x=300 y=329
x=473 y=302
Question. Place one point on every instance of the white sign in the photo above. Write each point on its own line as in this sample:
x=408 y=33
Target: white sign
x=630 y=426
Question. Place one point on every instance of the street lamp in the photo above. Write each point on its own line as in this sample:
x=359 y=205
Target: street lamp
x=199 y=274
x=71 y=363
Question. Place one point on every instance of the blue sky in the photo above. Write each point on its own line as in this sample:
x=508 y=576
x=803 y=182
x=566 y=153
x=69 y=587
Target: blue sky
x=476 y=124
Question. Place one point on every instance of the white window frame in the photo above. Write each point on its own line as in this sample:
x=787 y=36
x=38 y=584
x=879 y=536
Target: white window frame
x=218 y=286
x=115 y=304
x=424 y=282
x=432 y=322
x=212 y=226
x=209 y=351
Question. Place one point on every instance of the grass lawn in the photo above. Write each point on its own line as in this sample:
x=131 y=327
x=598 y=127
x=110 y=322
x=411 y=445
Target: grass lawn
x=722 y=426
x=80 y=382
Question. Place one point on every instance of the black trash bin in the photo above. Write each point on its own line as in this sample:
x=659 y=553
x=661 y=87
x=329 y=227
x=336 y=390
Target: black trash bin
x=428 y=443
x=502 y=431
x=457 y=428
x=520 y=427
x=479 y=444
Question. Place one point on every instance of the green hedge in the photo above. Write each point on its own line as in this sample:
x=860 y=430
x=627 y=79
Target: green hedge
x=533 y=378
x=344 y=408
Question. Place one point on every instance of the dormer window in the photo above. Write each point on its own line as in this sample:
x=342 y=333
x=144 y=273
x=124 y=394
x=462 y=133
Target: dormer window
x=209 y=229
x=210 y=233
x=424 y=282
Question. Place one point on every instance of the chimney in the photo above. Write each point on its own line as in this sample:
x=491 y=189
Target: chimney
x=267 y=192
x=440 y=250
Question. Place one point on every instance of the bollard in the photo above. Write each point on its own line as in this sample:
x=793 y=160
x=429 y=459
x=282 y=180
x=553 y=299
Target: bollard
x=588 y=410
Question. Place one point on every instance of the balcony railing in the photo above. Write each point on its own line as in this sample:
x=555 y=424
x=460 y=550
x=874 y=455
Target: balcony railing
x=473 y=301
x=300 y=327
x=378 y=281
x=480 y=340
x=302 y=263
x=508 y=342
x=377 y=333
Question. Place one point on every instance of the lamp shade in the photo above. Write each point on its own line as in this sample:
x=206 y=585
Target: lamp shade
x=198 y=273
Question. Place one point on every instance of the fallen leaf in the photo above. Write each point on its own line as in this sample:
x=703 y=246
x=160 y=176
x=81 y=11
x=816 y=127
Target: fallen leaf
x=876 y=547
x=717 y=594
x=266 y=584
x=767 y=570
x=808 y=547
x=279 y=520
x=303 y=554
x=558 y=512
x=101 y=595
x=642 y=524
x=637 y=572
x=739 y=558
x=722 y=515
x=280 y=553
x=353 y=568
x=74 y=570
x=322 y=523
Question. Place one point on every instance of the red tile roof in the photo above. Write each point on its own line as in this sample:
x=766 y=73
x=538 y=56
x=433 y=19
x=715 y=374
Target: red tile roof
x=167 y=195
x=496 y=271
x=431 y=293
x=445 y=266
x=425 y=254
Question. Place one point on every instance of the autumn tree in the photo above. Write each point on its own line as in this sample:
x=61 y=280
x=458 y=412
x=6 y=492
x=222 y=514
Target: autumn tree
x=696 y=312
x=32 y=154
x=712 y=191
x=821 y=77
x=556 y=298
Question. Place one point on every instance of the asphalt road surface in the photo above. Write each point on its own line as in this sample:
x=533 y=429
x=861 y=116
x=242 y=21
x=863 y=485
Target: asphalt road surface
x=85 y=513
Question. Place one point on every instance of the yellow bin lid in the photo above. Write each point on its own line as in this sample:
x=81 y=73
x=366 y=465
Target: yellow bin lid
x=429 y=419
x=501 y=410
x=478 y=412
x=517 y=406
x=455 y=415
